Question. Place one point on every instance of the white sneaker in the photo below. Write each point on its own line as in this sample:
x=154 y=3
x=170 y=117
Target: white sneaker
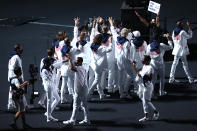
x=69 y=122
x=42 y=105
x=64 y=101
x=156 y=116
x=84 y=122
x=50 y=118
x=143 y=119
x=162 y=93
x=104 y=96
x=191 y=81
x=171 y=81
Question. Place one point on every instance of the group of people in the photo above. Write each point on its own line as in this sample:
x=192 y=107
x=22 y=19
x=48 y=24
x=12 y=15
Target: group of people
x=104 y=56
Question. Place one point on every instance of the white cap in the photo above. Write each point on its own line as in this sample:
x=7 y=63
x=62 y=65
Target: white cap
x=136 y=34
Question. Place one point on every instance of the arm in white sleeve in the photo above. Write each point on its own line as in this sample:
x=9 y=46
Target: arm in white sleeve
x=92 y=35
x=57 y=64
x=187 y=35
x=109 y=48
x=75 y=32
x=114 y=33
x=41 y=65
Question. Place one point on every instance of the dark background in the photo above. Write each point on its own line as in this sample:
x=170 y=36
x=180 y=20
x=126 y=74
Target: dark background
x=178 y=109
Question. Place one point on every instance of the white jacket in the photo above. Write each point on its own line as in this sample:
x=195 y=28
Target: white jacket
x=158 y=58
x=15 y=61
x=180 y=43
x=138 y=54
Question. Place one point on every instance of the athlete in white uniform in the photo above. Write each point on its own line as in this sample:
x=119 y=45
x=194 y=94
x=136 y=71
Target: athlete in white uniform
x=66 y=73
x=146 y=75
x=47 y=78
x=156 y=51
x=122 y=55
x=138 y=50
x=80 y=92
x=98 y=63
x=181 y=50
x=14 y=61
x=82 y=47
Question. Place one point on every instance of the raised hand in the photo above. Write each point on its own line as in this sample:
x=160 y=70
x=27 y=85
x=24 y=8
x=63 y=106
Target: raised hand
x=76 y=21
x=110 y=19
x=137 y=13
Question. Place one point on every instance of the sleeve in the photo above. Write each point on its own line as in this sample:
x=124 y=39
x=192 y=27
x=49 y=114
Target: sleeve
x=45 y=75
x=75 y=32
x=187 y=35
x=167 y=47
x=148 y=50
x=114 y=33
x=57 y=64
x=92 y=35
x=16 y=82
x=109 y=48
x=41 y=65
x=145 y=46
x=13 y=62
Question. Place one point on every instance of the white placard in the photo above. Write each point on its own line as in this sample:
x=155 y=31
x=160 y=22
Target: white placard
x=154 y=7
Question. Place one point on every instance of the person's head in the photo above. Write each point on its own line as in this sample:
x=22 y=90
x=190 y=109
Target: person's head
x=50 y=52
x=47 y=63
x=17 y=71
x=98 y=39
x=136 y=33
x=18 y=48
x=180 y=24
x=67 y=41
x=146 y=60
x=124 y=32
x=79 y=61
x=82 y=36
x=153 y=21
x=105 y=29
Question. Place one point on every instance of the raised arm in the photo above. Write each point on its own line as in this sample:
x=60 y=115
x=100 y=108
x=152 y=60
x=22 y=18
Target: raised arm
x=157 y=20
x=189 y=34
x=76 y=20
x=142 y=19
x=71 y=64
x=112 y=28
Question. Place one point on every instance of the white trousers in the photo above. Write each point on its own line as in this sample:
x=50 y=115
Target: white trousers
x=96 y=84
x=185 y=66
x=146 y=98
x=11 y=102
x=79 y=102
x=48 y=90
x=159 y=69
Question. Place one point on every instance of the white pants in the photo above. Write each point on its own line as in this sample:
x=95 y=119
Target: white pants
x=159 y=69
x=48 y=90
x=124 y=77
x=64 y=87
x=96 y=84
x=91 y=77
x=11 y=102
x=56 y=99
x=185 y=66
x=111 y=74
x=77 y=102
x=146 y=98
